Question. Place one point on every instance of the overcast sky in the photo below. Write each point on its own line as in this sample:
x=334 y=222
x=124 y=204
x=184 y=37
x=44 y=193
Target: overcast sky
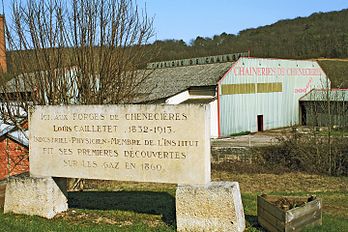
x=187 y=19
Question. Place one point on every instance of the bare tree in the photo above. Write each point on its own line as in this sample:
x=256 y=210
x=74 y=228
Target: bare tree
x=325 y=147
x=75 y=52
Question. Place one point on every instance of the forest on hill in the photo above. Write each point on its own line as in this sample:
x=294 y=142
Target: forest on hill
x=319 y=35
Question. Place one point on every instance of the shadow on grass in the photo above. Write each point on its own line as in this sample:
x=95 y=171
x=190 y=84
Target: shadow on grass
x=251 y=222
x=158 y=203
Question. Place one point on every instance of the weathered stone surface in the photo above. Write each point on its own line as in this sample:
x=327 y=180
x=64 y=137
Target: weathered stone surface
x=43 y=197
x=2 y=193
x=214 y=207
x=147 y=143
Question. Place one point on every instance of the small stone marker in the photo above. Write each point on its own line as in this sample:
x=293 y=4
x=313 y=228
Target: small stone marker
x=43 y=197
x=146 y=143
x=214 y=207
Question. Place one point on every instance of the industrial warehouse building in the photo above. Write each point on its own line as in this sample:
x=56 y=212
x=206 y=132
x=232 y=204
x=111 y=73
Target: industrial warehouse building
x=245 y=93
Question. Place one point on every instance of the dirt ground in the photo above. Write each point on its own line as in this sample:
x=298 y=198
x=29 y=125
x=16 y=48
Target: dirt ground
x=257 y=139
x=252 y=140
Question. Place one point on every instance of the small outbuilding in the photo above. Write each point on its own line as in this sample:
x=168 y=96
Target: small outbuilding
x=325 y=107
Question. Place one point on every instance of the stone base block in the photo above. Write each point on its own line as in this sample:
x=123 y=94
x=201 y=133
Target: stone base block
x=214 y=207
x=44 y=196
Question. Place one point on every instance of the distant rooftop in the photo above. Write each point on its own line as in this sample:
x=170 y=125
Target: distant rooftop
x=166 y=82
x=167 y=78
x=198 y=60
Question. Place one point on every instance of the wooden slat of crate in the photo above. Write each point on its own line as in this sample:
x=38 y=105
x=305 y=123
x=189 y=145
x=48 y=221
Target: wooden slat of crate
x=300 y=217
x=306 y=220
x=270 y=217
x=265 y=217
x=301 y=211
x=274 y=219
x=275 y=211
x=265 y=224
x=2 y=195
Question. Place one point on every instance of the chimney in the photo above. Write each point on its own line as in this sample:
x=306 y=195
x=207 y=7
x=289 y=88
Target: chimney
x=3 y=63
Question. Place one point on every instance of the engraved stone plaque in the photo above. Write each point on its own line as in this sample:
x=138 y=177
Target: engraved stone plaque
x=145 y=143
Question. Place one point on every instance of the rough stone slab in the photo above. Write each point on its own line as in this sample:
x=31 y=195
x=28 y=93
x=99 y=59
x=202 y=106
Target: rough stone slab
x=214 y=207
x=43 y=196
x=2 y=193
x=145 y=143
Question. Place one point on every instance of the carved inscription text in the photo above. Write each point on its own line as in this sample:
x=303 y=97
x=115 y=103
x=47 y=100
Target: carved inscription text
x=150 y=143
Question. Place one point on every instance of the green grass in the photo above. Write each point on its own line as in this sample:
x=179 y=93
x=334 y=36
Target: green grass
x=10 y=222
x=120 y=206
x=103 y=211
x=330 y=224
x=334 y=133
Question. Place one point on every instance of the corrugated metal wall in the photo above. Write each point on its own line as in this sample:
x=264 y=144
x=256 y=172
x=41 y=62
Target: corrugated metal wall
x=267 y=87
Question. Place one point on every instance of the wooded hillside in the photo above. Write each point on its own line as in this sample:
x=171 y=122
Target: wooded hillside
x=319 y=35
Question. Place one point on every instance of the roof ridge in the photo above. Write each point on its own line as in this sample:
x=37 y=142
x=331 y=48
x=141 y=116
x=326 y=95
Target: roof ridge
x=198 y=60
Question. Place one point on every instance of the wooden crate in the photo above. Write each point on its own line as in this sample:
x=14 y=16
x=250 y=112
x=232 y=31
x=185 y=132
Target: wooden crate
x=275 y=219
x=2 y=195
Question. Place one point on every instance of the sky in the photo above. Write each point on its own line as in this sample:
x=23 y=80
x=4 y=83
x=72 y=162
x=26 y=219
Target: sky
x=187 y=19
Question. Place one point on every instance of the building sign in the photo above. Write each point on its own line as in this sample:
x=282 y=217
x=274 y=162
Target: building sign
x=149 y=143
x=266 y=71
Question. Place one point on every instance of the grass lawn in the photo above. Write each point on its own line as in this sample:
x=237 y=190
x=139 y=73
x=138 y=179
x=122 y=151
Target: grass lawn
x=119 y=206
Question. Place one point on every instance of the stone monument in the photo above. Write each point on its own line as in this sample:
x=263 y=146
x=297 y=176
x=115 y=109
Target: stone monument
x=144 y=143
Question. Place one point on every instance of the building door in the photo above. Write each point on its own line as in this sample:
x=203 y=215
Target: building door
x=303 y=115
x=259 y=122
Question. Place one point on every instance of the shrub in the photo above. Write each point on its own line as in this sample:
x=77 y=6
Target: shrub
x=311 y=152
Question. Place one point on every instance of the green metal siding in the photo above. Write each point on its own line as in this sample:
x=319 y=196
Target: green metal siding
x=279 y=84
